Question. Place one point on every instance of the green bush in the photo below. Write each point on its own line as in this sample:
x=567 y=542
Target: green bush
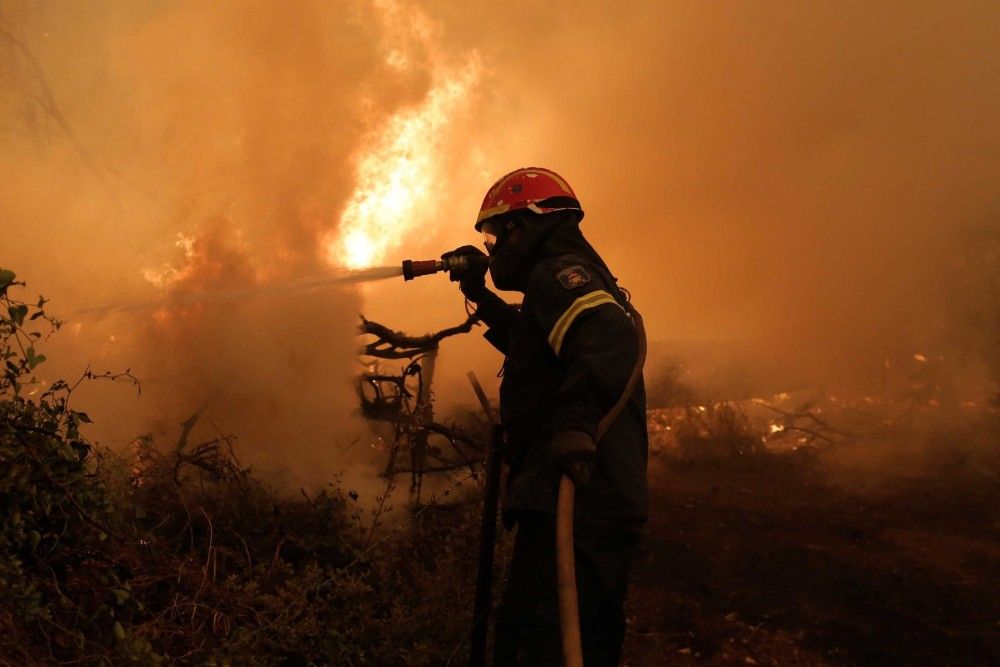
x=183 y=556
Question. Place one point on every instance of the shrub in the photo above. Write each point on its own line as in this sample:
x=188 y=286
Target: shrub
x=182 y=555
x=719 y=432
x=64 y=591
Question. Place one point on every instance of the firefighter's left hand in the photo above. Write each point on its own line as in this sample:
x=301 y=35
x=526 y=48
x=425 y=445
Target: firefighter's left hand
x=574 y=455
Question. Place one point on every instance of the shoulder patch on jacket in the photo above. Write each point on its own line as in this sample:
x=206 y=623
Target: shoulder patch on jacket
x=573 y=277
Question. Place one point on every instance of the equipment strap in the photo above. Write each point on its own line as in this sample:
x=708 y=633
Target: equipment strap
x=640 y=330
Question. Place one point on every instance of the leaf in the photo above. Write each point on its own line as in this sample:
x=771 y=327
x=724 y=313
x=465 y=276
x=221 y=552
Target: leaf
x=33 y=359
x=6 y=278
x=17 y=313
x=119 y=631
x=66 y=450
x=120 y=596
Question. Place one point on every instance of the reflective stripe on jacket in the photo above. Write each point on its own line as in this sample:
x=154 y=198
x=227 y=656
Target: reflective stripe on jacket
x=569 y=353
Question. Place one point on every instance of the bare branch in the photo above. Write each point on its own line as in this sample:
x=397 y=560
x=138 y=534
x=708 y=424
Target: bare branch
x=390 y=344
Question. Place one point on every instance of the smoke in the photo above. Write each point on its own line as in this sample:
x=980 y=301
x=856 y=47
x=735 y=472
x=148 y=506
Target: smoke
x=783 y=179
x=161 y=150
x=783 y=187
x=787 y=175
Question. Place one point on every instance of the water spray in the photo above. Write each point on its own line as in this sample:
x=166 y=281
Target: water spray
x=454 y=264
x=410 y=269
x=307 y=284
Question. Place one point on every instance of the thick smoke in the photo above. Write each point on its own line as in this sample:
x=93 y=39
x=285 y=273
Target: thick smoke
x=166 y=149
x=791 y=180
x=786 y=188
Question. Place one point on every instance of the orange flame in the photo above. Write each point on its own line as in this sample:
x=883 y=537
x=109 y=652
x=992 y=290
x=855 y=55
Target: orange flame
x=402 y=157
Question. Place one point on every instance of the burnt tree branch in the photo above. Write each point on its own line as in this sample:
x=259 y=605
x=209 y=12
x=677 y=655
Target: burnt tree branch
x=390 y=344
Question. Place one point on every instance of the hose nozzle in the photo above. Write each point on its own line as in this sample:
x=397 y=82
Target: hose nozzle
x=455 y=263
x=412 y=269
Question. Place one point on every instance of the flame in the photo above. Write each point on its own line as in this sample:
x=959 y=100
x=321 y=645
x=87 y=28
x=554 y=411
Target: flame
x=396 y=172
x=168 y=274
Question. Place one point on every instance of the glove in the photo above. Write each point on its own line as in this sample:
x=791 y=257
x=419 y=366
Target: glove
x=471 y=281
x=574 y=454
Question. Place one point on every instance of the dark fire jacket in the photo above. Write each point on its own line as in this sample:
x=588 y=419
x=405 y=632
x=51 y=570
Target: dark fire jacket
x=570 y=350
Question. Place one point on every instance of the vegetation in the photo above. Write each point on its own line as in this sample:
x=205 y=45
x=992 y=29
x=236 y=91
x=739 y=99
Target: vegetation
x=177 y=554
x=183 y=556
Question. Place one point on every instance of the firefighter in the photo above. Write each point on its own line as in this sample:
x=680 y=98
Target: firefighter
x=569 y=349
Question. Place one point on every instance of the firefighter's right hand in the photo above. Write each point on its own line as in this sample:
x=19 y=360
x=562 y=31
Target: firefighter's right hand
x=574 y=454
x=472 y=281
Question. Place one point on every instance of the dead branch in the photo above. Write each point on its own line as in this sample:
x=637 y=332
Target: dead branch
x=46 y=100
x=481 y=395
x=390 y=486
x=427 y=469
x=806 y=414
x=453 y=434
x=390 y=344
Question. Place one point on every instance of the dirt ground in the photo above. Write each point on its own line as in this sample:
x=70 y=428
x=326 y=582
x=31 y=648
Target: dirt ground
x=772 y=563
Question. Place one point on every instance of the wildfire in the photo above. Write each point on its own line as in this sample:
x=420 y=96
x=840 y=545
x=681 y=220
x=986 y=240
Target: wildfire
x=396 y=170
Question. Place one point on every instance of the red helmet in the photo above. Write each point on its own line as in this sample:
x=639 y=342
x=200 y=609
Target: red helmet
x=528 y=187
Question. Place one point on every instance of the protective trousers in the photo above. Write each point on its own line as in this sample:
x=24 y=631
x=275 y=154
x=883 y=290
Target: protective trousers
x=527 y=629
